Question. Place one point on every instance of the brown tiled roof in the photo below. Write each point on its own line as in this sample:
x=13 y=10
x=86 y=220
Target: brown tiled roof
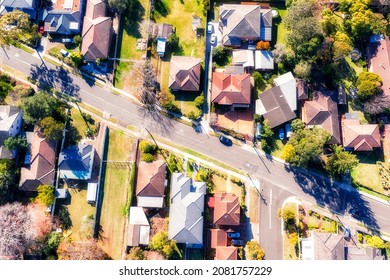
x=328 y=246
x=302 y=89
x=226 y=253
x=96 y=31
x=218 y=238
x=380 y=62
x=184 y=73
x=151 y=179
x=322 y=111
x=42 y=164
x=360 y=137
x=273 y=106
x=231 y=89
x=226 y=209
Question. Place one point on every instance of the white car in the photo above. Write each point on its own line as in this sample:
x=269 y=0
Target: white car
x=209 y=27
x=213 y=39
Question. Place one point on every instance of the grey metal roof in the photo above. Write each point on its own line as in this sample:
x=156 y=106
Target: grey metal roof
x=61 y=21
x=75 y=162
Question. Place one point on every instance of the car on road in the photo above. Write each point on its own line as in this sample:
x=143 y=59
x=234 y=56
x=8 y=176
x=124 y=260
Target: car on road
x=281 y=134
x=213 y=39
x=233 y=235
x=238 y=242
x=209 y=28
x=226 y=141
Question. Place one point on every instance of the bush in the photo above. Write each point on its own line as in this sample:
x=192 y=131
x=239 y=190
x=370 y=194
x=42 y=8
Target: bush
x=236 y=181
x=194 y=116
x=147 y=157
x=360 y=237
x=147 y=147
x=199 y=100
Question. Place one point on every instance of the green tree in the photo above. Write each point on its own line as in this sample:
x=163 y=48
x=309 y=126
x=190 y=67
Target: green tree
x=257 y=118
x=303 y=70
x=199 y=100
x=174 y=164
x=136 y=253
x=205 y=175
x=258 y=78
x=288 y=213
x=368 y=84
x=365 y=23
x=341 y=162
x=221 y=55
x=39 y=106
x=375 y=241
x=76 y=58
x=288 y=152
x=14 y=26
x=342 y=45
x=297 y=125
x=7 y=180
x=266 y=130
x=329 y=22
x=147 y=157
x=51 y=129
x=17 y=143
x=5 y=88
x=50 y=247
x=162 y=244
x=254 y=251
x=147 y=147
x=119 y=6
x=77 y=40
x=45 y=195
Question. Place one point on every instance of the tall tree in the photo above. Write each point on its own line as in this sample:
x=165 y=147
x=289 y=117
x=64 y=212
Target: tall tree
x=51 y=129
x=45 y=195
x=119 y=6
x=150 y=86
x=342 y=45
x=368 y=84
x=13 y=27
x=341 y=162
x=85 y=250
x=15 y=230
x=17 y=143
x=162 y=244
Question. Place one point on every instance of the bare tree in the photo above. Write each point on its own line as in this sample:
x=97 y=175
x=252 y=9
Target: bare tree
x=86 y=250
x=150 y=86
x=16 y=234
x=377 y=104
x=146 y=29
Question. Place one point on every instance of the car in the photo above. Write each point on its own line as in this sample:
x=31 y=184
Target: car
x=226 y=141
x=64 y=53
x=233 y=235
x=258 y=132
x=238 y=242
x=41 y=29
x=209 y=28
x=281 y=134
x=213 y=39
x=347 y=233
x=287 y=127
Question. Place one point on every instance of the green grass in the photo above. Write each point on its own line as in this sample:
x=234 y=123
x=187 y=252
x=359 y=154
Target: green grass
x=367 y=175
x=185 y=101
x=361 y=115
x=26 y=49
x=282 y=31
x=279 y=146
x=91 y=109
x=115 y=189
x=79 y=122
x=355 y=66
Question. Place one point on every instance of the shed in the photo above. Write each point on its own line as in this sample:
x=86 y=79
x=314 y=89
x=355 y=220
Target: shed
x=91 y=192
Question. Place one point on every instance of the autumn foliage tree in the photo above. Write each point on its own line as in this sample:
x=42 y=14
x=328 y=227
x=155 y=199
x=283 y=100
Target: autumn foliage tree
x=254 y=251
x=85 y=250
x=263 y=45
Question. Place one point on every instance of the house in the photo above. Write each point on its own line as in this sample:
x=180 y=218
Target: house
x=264 y=60
x=288 y=86
x=226 y=210
x=322 y=112
x=184 y=74
x=273 y=106
x=64 y=22
x=368 y=253
x=232 y=90
x=96 y=31
x=323 y=246
x=302 y=90
x=379 y=60
x=150 y=186
x=11 y=123
x=27 y=6
x=75 y=162
x=244 y=23
x=186 y=210
x=243 y=58
x=39 y=163
x=138 y=228
x=219 y=242
x=359 y=137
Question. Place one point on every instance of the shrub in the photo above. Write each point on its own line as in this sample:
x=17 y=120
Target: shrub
x=147 y=157
x=360 y=237
x=236 y=181
x=199 y=100
x=147 y=147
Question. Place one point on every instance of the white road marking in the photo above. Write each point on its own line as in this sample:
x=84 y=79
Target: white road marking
x=270 y=203
x=270 y=197
x=270 y=217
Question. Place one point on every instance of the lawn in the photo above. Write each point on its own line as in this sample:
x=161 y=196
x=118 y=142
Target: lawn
x=79 y=122
x=281 y=29
x=367 y=175
x=219 y=183
x=362 y=117
x=185 y=101
x=279 y=146
x=115 y=191
x=357 y=66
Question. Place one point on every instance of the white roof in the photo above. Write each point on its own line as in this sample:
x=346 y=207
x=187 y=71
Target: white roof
x=74 y=25
x=8 y=115
x=91 y=192
x=260 y=110
x=161 y=42
x=264 y=60
x=288 y=86
x=137 y=217
x=243 y=57
x=150 y=202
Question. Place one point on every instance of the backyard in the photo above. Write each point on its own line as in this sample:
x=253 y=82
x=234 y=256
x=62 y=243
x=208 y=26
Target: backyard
x=116 y=183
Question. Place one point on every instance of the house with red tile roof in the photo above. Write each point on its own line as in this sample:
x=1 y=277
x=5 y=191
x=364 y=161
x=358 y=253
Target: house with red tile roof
x=96 y=31
x=231 y=89
x=150 y=186
x=226 y=209
x=322 y=112
x=219 y=242
x=379 y=62
x=359 y=137
x=184 y=74
x=39 y=163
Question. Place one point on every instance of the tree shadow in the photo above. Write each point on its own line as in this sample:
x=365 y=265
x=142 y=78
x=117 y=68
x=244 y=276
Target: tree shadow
x=339 y=198
x=55 y=78
x=158 y=119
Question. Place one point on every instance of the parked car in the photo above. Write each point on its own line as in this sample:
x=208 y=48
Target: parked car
x=64 y=53
x=238 y=242
x=213 y=39
x=281 y=134
x=233 y=235
x=347 y=233
x=226 y=141
x=209 y=28
x=258 y=131
x=288 y=130
x=41 y=29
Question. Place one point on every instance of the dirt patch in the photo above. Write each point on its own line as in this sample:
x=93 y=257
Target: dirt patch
x=240 y=121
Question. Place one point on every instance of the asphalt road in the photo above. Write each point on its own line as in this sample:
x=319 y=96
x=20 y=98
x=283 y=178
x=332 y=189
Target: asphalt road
x=277 y=182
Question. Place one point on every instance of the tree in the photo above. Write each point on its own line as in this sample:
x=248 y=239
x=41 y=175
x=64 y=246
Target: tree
x=341 y=162
x=257 y=118
x=51 y=129
x=283 y=55
x=77 y=40
x=14 y=25
x=20 y=91
x=199 y=100
x=45 y=195
x=329 y=22
x=254 y=251
x=162 y=244
x=174 y=164
x=342 y=45
x=364 y=23
x=39 y=106
x=221 y=55
x=17 y=143
x=258 y=78
x=288 y=152
x=51 y=245
x=146 y=28
x=7 y=180
x=15 y=231
x=368 y=84
x=136 y=253
x=150 y=86
x=266 y=132
x=76 y=58
x=119 y=6
x=147 y=157
x=5 y=88
x=147 y=147
x=205 y=175
x=377 y=104
x=375 y=241
x=84 y=250
x=303 y=69
x=297 y=125
x=288 y=213
x=263 y=45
